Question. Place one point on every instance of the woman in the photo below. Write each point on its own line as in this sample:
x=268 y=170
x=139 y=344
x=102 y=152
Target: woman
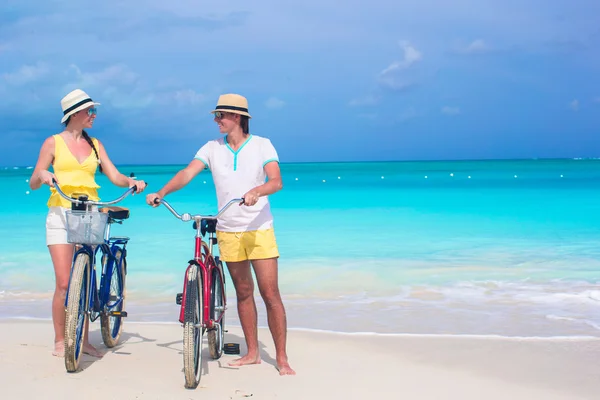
x=75 y=156
x=239 y=163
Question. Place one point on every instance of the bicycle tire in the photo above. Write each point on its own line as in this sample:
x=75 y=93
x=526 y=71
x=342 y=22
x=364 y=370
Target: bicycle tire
x=76 y=312
x=192 y=330
x=111 y=332
x=216 y=337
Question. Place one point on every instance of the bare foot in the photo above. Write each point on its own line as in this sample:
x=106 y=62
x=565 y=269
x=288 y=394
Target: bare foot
x=285 y=369
x=91 y=350
x=59 y=349
x=246 y=360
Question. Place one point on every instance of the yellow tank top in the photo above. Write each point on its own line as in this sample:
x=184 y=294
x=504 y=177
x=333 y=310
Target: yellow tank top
x=72 y=176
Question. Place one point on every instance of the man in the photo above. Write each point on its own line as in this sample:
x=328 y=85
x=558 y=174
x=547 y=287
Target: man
x=240 y=163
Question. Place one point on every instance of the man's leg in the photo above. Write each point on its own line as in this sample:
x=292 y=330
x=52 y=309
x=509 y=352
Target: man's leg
x=267 y=278
x=244 y=290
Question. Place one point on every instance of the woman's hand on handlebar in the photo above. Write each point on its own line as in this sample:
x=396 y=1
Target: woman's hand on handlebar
x=47 y=178
x=153 y=199
x=139 y=185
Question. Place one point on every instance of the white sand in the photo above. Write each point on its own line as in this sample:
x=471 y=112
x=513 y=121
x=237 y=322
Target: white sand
x=148 y=365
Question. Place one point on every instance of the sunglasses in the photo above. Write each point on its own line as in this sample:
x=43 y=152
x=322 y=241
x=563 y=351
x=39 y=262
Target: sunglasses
x=219 y=114
x=92 y=111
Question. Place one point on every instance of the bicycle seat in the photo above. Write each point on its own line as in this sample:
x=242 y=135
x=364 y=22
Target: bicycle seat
x=116 y=212
x=207 y=225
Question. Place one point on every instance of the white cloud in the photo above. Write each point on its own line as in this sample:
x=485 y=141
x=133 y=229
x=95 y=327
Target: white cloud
x=574 y=105
x=448 y=110
x=477 y=46
x=113 y=75
x=188 y=96
x=411 y=56
x=393 y=76
x=369 y=100
x=116 y=84
x=26 y=74
x=274 y=102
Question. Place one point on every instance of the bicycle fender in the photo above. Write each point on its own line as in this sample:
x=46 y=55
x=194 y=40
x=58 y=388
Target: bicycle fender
x=185 y=280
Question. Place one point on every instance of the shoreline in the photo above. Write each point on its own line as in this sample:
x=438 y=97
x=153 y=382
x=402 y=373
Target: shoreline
x=402 y=320
x=147 y=364
x=491 y=336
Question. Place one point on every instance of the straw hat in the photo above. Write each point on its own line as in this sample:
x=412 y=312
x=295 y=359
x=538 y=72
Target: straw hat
x=75 y=101
x=233 y=103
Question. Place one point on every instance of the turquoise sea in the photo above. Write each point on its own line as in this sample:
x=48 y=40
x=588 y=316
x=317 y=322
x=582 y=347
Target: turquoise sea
x=506 y=248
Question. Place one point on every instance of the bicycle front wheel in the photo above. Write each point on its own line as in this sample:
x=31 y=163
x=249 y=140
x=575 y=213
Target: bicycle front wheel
x=192 y=329
x=217 y=313
x=76 y=311
x=112 y=325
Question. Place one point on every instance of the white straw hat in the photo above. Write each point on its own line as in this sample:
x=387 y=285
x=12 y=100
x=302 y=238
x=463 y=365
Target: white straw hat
x=75 y=101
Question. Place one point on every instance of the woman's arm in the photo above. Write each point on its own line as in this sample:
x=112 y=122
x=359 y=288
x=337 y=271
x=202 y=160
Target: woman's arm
x=40 y=174
x=113 y=174
x=273 y=184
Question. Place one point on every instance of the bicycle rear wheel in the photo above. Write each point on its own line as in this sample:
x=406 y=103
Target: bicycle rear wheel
x=112 y=325
x=216 y=337
x=192 y=329
x=76 y=311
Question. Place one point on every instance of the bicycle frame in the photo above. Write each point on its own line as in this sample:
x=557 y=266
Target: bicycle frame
x=203 y=259
x=98 y=299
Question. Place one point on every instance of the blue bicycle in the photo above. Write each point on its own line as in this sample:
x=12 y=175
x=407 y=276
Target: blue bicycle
x=88 y=227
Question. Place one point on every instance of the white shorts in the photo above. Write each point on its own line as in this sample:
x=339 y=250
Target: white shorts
x=56 y=226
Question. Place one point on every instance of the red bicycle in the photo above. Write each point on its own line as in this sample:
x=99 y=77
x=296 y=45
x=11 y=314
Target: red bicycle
x=203 y=301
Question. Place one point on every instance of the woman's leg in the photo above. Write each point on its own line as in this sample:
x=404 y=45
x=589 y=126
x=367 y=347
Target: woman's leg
x=62 y=255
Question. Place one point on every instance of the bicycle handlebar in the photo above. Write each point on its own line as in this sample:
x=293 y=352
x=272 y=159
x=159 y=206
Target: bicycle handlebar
x=95 y=203
x=185 y=217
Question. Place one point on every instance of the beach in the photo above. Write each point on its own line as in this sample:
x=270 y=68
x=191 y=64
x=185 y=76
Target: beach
x=148 y=365
x=407 y=280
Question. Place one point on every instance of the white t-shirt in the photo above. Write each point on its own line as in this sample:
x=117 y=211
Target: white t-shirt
x=234 y=174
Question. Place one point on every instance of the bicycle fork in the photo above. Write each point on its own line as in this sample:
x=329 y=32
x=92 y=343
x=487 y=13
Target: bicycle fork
x=195 y=271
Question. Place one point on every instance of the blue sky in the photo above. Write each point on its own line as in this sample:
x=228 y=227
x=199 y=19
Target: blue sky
x=376 y=80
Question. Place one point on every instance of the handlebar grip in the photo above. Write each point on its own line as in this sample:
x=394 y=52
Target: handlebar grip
x=156 y=200
x=134 y=187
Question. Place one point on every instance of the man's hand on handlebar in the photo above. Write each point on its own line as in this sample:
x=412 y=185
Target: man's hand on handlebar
x=153 y=199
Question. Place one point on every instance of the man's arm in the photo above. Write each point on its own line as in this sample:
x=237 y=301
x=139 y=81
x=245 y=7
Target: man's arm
x=180 y=180
x=273 y=184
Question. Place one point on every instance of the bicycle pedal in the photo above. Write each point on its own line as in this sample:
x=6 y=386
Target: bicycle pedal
x=117 y=314
x=179 y=298
x=231 y=348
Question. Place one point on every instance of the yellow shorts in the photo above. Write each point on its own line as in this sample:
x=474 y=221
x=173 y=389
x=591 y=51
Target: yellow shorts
x=251 y=245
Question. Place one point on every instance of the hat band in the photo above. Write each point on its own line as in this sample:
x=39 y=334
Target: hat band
x=244 y=109
x=74 y=106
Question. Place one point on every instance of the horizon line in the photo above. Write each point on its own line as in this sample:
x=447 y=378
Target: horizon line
x=372 y=161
